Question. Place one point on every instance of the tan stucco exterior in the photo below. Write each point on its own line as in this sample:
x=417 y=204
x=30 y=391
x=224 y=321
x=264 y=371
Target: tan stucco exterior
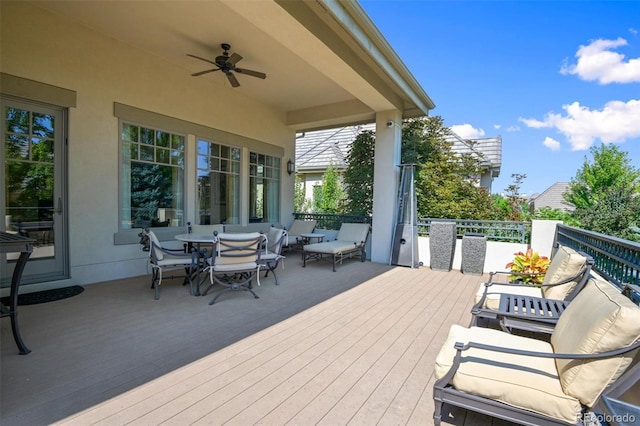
x=54 y=44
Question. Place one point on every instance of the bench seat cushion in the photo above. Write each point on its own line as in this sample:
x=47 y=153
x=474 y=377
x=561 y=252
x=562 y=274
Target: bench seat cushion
x=332 y=247
x=525 y=382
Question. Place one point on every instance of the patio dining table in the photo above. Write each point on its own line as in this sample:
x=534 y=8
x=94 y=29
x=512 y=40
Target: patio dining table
x=12 y=243
x=197 y=240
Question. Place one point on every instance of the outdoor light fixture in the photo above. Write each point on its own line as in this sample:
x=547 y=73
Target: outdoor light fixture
x=290 y=167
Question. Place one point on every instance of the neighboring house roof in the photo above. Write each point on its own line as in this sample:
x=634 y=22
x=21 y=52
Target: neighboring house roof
x=316 y=150
x=552 y=197
x=488 y=150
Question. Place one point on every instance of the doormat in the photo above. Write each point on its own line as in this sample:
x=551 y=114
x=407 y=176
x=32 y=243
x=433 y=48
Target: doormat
x=45 y=295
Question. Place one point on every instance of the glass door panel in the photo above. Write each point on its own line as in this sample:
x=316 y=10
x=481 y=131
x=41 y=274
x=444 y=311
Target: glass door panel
x=32 y=190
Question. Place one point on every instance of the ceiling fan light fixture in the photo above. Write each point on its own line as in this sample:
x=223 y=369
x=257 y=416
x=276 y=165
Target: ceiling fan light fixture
x=227 y=64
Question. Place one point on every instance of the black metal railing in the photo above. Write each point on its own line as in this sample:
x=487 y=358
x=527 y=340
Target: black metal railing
x=615 y=259
x=332 y=221
x=495 y=230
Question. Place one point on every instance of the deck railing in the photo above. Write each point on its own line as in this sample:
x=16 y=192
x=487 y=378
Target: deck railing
x=332 y=221
x=615 y=259
x=495 y=230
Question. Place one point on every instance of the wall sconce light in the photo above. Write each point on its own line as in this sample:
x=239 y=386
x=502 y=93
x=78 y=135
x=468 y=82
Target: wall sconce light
x=291 y=167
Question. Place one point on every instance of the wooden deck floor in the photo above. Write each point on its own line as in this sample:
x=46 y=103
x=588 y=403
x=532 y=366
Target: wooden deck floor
x=352 y=347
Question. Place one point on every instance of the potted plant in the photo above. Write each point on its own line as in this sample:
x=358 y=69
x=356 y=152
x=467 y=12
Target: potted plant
x=528 y=268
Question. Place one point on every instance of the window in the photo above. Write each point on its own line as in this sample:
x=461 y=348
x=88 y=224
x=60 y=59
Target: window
x=152 y=178
x=218 y=183
x=264 y=188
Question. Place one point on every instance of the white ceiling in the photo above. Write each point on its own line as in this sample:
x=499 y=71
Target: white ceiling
x=302 y=72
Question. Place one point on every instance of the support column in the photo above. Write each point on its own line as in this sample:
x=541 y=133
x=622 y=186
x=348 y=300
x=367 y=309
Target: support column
x=385 y=183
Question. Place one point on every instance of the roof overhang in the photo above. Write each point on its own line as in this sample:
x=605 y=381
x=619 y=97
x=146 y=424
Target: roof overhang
x=326 y=62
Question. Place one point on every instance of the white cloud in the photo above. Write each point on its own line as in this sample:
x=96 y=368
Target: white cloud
x=617 y=121
x=597 y=61
x=497 y=126
x=467 y=131
x=551 y=143
x=633 y=31
x=513 y=129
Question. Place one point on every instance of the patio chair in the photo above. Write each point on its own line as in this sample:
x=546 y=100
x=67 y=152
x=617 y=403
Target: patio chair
x=534 y=382
x=295 y=231
x=235 y=261
x=163 y=258
x=351 y=239
x=537 y=305
x=272 y=255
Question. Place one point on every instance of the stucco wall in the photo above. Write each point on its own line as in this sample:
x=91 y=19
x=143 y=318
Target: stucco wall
x=44 y=47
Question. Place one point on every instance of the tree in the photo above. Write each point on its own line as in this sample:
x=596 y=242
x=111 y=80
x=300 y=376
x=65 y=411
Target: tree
x=606 y=192
x=301 y=204
x=358 y=177
x=611 y=168
x=447 y=182
x=332 y=192
x=514 y=198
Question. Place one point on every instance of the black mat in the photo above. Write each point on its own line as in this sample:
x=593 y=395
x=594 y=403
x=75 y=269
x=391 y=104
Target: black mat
x=45 y=296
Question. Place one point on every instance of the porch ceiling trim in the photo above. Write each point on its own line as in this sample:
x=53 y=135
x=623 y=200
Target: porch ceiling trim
x=356 y=40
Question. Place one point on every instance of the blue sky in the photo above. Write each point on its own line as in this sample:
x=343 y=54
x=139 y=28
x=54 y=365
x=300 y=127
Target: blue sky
x=551 y=78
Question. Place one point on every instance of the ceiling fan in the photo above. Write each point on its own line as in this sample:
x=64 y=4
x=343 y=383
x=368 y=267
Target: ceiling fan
x=227 y=64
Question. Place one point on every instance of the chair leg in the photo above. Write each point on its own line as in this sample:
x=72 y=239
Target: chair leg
x=156 y=279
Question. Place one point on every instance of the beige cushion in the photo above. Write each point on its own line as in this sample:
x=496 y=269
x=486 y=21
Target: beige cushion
x=530 y=383
x=493 y=296
x=332 y=247
x=566 y=263
x=299 y=227
x=274 y=237
x=599 y=319
x=353 y=232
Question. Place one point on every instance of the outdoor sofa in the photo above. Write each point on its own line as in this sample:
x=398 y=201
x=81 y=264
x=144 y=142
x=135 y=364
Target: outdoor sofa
x=535 y=382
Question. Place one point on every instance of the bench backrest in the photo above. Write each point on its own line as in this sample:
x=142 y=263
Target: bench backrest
x=599 y=319
x=353 y=232
x=565 y=264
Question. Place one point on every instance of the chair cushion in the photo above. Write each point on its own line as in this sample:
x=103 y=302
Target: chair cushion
x=331 y=247
x=566 y=263
x=599 y=319
x=299 y=227
x=530 y=383
x=177 y=261
x=155 y=246
x=274 y=239
x=493 y=296
x=234 y=267
x=355 y=232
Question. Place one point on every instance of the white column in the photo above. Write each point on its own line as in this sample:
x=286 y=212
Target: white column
x=385 y=182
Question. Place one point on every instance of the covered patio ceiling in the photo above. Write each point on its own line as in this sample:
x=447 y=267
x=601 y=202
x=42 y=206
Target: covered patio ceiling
x=325 y=61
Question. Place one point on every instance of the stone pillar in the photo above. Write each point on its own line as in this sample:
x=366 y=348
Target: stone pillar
x=474 y=249
x=442 y=244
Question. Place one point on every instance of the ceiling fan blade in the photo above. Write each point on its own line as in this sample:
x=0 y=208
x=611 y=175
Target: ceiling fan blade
x=234 y=59
x=195 y=74
x=202 y=59
x=251 y=73
x=232 y=79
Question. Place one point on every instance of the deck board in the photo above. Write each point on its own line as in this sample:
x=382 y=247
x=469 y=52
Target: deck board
x=352 y=347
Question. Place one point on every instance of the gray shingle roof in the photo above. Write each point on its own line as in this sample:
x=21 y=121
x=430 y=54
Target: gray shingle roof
x=552 y=197
x=317 y=149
